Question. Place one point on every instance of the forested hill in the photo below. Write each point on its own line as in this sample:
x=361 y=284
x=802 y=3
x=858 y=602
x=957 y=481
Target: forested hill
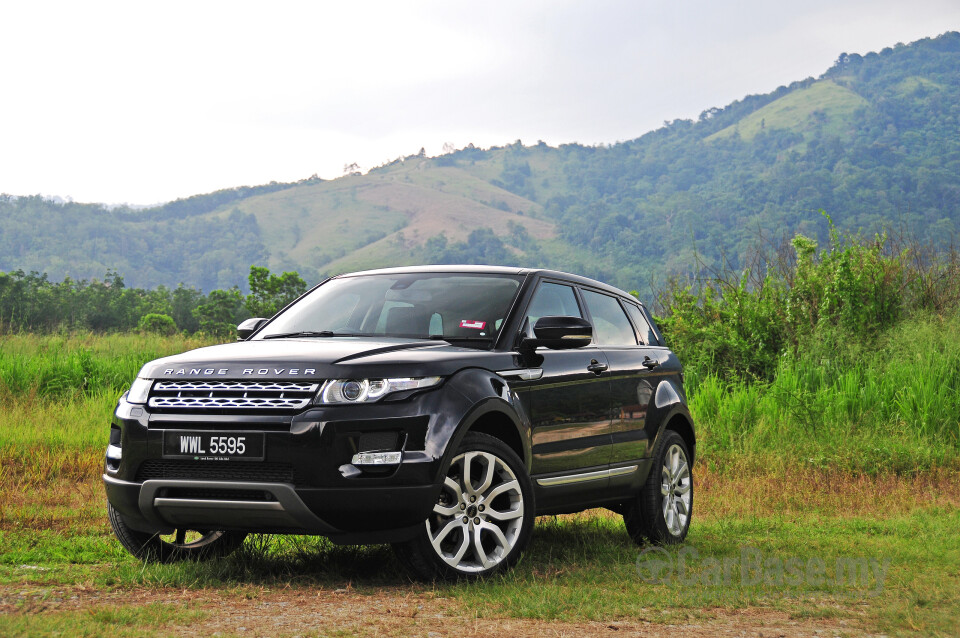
x=874 y=141
x=168 y=244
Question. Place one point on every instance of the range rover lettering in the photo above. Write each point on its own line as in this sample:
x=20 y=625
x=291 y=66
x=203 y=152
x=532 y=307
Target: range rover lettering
x=439 y=409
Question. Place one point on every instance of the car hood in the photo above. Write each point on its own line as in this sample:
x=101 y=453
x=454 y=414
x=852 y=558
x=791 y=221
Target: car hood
x=321 y=358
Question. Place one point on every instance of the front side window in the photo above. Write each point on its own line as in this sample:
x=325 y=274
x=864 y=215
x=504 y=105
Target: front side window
x=466 y=307
x=610 y=324
x=553 y=300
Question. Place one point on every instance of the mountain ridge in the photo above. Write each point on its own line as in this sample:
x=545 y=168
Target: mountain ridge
x=872 y=141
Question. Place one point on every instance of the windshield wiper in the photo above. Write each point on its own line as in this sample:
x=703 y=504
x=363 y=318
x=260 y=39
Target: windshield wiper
x=451 y=338
x=307 y=333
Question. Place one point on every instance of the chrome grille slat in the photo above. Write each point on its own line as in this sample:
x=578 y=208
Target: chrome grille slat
x=231 y=395
x=236 y=385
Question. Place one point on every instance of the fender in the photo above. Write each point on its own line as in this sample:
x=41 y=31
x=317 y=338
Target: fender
x=485 y=393
x=670 y=403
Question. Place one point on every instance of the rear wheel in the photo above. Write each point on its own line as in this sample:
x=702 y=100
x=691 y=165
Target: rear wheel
x=182 y=544
x=482 y=519
x=662 y=511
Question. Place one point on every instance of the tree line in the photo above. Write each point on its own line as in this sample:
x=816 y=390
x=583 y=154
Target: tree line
x=31 y=302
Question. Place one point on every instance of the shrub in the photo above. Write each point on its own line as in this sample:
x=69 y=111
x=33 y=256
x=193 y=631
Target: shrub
x=741 y=324
x=155 y=323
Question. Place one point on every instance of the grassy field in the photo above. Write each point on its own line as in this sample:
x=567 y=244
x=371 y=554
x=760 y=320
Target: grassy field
x=893 y=408
x=779 y=544
x=798 y=111
x=380 y=218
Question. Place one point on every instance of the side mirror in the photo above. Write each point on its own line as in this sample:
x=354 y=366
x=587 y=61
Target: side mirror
x=559 y=333
x=248 y=327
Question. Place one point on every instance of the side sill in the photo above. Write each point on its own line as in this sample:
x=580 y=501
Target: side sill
x=567 y=479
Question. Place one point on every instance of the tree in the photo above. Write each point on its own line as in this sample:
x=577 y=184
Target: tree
x=269 y=293
x=221 y=312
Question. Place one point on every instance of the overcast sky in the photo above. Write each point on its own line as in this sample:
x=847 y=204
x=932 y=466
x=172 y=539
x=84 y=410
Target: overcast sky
x=145 y=102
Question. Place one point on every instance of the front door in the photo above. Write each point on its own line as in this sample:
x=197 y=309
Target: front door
x=570 y=412
x=569 y=405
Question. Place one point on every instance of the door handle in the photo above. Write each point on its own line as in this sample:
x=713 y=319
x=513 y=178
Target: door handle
x=649 y=363
x=596 y=367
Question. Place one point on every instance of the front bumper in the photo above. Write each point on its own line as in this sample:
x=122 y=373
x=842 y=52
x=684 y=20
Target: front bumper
x=305 y=483
x=370 y=515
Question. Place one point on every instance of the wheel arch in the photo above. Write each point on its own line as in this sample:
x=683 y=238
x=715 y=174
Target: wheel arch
x=679 y=420
x=500 y=426
x=682 y=425
x=488 y=407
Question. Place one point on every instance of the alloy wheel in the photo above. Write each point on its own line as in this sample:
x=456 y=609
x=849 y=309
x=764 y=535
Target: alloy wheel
x=187 y=539
x=479 y=515
x=675 y=489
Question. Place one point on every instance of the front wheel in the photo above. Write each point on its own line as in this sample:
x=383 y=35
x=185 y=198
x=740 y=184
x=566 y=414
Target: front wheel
x=482 y=519
x=182 y=544
x=662 y=511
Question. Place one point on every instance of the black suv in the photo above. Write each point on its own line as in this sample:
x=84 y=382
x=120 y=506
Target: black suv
x=439 y=409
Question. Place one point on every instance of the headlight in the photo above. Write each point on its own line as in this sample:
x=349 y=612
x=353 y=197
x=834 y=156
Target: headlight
x=370 y=390
x=139 y=390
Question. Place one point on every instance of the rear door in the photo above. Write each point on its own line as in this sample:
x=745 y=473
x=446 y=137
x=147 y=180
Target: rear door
x=654 y=359
x=633 y=376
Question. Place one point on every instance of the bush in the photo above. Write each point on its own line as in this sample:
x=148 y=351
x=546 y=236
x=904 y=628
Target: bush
x=155 y=323
x=741 y=325
x=847 y=356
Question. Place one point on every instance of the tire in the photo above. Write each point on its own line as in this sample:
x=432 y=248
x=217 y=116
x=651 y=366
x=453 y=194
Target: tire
x=661 y=513
x=497 y=505
x=182 y=545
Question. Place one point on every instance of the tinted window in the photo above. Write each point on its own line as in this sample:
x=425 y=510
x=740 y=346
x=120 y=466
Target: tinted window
x=553 y=300
x=610 y=324
x=646 y=332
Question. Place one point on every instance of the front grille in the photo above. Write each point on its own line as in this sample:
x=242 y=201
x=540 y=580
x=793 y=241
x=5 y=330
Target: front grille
x=216 y=471
x=209 y=396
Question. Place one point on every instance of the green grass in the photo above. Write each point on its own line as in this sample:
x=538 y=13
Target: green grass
x=852 y=462
x=894 y=409
x=58 y=392
x=82 y=364
x=796 y=111
x=584 y=567
x=149 y=619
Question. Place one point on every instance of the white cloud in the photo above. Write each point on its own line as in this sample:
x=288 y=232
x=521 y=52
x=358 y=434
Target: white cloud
x=133 y=102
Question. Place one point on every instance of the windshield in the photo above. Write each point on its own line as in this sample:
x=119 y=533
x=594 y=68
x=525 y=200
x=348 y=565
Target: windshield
x=453 y=306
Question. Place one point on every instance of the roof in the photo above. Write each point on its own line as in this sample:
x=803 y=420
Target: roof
x=498 y=270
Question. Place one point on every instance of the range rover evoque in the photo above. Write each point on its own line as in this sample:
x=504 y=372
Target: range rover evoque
x=439 y=409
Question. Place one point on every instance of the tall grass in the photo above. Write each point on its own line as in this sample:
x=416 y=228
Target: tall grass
x=893 y=408
x=56 y=367
x=57 y=394
x=897 y=408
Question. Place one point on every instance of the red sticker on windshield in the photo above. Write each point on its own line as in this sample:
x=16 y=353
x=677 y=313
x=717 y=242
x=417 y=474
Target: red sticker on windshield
x=476 y=325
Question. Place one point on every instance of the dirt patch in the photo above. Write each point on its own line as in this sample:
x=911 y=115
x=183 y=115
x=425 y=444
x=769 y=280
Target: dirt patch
x=308 y=612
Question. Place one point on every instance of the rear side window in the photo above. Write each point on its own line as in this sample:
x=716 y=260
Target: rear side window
x=643 y=326
x=553 y=300
x=610 y=324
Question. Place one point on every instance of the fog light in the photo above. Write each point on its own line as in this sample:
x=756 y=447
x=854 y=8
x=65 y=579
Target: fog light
x=114 y=452
x=377 y=458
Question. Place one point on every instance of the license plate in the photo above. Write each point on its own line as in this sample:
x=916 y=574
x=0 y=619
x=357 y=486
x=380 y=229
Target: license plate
x=213 y=446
